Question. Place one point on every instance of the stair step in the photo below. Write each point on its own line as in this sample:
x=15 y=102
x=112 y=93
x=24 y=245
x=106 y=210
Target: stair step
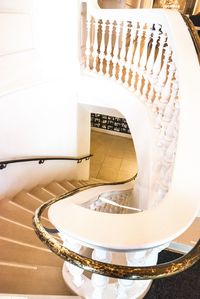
x=24 y=199
x=16 y=213
x=18 y=253
x=67 y=185
x=56 y=188
x=43 y=280
x=91 y=181
x=19 y=233
x=76 y=184
x=42 y=194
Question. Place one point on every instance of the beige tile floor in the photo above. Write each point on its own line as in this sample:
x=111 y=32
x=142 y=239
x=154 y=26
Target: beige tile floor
x=114 y=157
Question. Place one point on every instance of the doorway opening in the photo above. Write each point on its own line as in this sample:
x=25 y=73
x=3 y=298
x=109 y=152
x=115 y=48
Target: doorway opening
x=113 y=149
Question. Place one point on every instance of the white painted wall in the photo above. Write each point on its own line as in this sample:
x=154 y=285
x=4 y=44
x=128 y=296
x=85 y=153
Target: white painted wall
x=39 y=121
x=39 y=71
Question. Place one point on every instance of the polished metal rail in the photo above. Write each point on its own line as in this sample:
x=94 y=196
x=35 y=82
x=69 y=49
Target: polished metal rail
x=42 y=159
x=194 y=34
x=106 y=269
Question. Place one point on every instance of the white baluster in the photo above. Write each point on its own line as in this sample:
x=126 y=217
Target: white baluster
x=151 y=60
x=75 y=271
x=129 y=57
x=124 y=286
x=109 y=49
x=147 y=35
x=163 y=73
x=88 y=42
x=169 y=109
x=166 y=92
x=124 y=291
x=102 y=46
x=160 y=82
x=95 y=44
x=157 y=64
x=136 y=60
x=116 y=49
x=143 y=61
x=156 y=70
x=123 y=51
x=100 y=282
x=136 y=258
x=171 y=129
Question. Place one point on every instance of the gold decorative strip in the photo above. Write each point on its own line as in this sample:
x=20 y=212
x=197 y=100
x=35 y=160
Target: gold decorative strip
x=106 y=269
x=194 y=34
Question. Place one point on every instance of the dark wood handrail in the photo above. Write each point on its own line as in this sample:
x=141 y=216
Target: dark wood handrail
x=42 y=159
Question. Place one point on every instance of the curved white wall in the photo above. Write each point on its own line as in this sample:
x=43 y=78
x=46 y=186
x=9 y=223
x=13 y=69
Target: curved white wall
x=101 y=92
x=38 y=75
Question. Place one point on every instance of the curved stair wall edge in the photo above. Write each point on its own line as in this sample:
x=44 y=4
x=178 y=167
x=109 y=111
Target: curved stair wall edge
x=168 y=79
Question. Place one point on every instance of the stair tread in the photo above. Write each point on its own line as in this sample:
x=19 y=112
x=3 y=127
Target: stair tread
x=25 y=200
x=41 y=193
x=43 y=280
x=67 y=185
x=56 y=188
x=76 y=183
x=15 y=213
x=19 y=233
x=13 y=252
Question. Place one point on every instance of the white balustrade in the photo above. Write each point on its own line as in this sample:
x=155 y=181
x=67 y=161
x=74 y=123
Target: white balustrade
x=100 y=282
x=75 y=271
x=138 y=54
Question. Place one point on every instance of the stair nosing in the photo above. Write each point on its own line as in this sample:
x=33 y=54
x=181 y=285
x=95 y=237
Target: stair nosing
x=25 y=244
x=16 y=223
x=18 y=265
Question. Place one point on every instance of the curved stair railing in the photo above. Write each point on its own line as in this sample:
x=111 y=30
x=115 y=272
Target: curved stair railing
x=140 y=264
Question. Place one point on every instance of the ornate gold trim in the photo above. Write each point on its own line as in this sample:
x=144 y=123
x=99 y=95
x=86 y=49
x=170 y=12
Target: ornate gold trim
x=194 y=34
x=106 y=269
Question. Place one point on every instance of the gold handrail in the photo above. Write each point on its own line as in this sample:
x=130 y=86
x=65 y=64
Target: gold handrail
x=194 y=34
x=106 y=269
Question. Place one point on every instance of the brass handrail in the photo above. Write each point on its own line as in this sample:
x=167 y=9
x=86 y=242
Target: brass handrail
x=107 y=269
x=194 y=34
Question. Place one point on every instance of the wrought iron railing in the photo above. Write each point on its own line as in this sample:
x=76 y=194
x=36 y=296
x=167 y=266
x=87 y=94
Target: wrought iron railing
x=42 y=159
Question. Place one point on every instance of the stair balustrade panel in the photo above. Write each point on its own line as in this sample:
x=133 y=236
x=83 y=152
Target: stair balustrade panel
x=134 y=50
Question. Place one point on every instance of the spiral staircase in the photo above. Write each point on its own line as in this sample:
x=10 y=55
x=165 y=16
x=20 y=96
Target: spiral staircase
x=109 y=235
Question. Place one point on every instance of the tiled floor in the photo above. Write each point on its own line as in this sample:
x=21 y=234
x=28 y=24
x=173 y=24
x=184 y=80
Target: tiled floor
x=114 y=157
